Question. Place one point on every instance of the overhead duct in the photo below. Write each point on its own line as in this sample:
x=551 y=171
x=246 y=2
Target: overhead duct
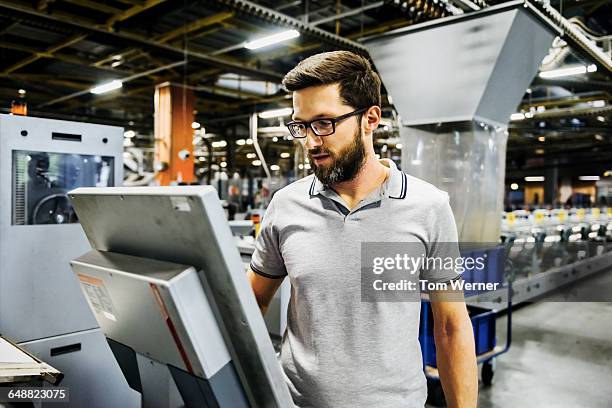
x=455 y=82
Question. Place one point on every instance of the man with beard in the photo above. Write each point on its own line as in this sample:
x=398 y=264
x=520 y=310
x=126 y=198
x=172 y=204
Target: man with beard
x=339 y=351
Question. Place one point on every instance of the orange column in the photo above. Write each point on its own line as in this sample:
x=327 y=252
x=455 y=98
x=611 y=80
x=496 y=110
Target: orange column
x=173 y=134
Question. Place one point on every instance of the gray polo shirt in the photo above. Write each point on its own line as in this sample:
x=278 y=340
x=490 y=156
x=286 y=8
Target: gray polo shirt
x=339 y=351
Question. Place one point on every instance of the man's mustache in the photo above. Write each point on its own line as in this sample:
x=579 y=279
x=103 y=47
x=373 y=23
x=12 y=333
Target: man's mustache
x=318 y=150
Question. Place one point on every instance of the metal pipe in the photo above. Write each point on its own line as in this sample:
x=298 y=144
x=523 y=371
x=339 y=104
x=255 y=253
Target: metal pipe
x=123 y=80
x=253 y=130
x=282 y=19
x=347 y=13
x=572 y=33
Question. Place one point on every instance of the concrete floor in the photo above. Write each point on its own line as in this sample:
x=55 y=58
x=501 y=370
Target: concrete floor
x=561 y=355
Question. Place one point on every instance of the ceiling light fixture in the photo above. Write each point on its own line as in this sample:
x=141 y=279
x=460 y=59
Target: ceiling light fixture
x=534 y=178
x=107 y=87
x=271 y=39
x=568 y=71
x=276 y=113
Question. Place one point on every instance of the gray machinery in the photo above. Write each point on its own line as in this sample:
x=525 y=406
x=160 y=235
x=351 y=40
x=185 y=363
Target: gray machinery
x=167 y=284
x=455 y=82
x=41 y=305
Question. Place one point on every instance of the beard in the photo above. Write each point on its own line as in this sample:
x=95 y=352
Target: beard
x=345 y=164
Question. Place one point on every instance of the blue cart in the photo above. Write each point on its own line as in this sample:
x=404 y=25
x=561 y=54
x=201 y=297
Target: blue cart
x=483 y=323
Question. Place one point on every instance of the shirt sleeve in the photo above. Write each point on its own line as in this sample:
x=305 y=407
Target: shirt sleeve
x=267 y=259
x=443 y=246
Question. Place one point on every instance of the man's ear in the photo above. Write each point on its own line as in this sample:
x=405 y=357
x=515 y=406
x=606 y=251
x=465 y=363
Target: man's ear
x=372 y=118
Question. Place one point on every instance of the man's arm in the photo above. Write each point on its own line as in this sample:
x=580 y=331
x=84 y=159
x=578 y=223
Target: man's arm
x=455 y=350
x=263 y=288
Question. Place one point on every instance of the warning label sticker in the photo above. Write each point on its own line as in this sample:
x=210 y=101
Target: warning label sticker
x=98 y=296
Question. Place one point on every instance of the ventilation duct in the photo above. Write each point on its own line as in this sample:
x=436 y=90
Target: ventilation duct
x=455 y=81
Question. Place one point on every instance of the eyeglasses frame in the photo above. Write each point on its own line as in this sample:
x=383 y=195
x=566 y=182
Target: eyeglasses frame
x=334 y=122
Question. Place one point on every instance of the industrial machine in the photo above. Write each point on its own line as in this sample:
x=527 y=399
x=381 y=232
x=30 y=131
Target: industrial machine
x=41 y=306
x=458 y=143
x=167 y=286
x=454 y=103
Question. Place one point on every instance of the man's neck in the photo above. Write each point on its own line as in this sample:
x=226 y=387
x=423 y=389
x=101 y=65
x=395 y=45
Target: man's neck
x=370 y=177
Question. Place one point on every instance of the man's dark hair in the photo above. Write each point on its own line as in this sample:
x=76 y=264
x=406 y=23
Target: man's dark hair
x=358 y=84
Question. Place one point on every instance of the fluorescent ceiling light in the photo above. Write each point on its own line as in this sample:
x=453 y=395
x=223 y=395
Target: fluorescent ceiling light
x=271 y=39
x=562 y=72
x=107 y=87
x=220 y=143
x=129 y=133
x=600 y=103
x=240 y=142
x=276 y=113
x=273 y=129
x=517 y=116
x=275 y=167
x=256 y=163
x=588 y=178
x=534 y=178
x=285 y=155
x=195 y=125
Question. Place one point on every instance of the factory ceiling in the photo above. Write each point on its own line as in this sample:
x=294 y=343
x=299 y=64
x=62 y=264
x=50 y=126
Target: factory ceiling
x=57 y=50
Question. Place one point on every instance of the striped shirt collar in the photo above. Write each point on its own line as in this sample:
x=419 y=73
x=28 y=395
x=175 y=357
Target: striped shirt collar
x=394 y=187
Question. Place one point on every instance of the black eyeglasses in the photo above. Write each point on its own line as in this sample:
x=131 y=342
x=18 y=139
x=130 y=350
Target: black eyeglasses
x=320 y=127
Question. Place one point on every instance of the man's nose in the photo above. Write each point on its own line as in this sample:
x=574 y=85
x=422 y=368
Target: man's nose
x=312 y=140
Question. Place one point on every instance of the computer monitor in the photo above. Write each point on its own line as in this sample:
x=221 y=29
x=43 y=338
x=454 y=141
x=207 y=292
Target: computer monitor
x=186 y=225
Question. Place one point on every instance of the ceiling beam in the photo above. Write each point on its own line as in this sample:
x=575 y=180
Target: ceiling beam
x=47 y=53
x=131 y=12
x=194 y=26
x=8 y=27
x=18 y=10
x=95 y=5
x=170 y=35
x=60 y=57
